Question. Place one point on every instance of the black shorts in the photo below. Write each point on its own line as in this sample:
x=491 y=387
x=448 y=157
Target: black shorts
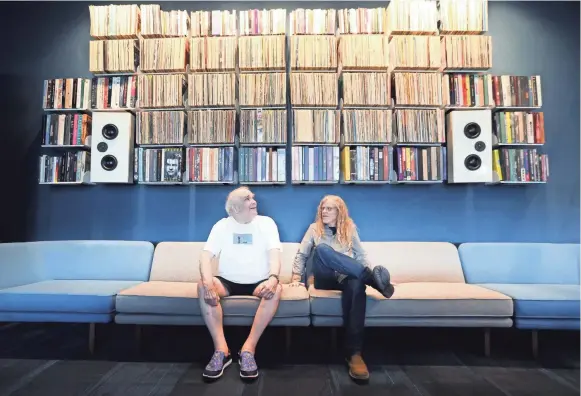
x=239 y=289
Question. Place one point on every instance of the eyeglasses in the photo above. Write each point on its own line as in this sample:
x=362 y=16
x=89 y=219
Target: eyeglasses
x=328 y=208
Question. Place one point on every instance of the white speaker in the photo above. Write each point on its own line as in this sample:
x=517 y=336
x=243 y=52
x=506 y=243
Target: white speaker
x=112 y=147
x=469 y=139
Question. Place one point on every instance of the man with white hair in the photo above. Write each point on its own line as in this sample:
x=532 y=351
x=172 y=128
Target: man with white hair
x=248 y=250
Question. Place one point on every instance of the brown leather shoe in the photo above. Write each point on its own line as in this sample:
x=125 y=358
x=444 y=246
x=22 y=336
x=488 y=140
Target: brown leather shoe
x=357 y=368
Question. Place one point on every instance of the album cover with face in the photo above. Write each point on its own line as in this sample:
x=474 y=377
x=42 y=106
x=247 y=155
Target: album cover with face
x=172 y=164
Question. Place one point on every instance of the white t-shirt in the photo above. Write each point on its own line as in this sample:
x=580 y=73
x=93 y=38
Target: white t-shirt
x=243 y=248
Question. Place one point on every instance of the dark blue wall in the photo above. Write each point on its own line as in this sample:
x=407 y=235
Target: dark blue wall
x=51 y=40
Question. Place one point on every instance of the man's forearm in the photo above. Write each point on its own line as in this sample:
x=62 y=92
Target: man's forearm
x=206 y=266
x=274 y=261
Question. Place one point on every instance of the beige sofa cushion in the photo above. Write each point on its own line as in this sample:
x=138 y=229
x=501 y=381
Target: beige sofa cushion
x=180 y=262
x=181 y=298
x=421 y=299
x=176 y=262
x=417 y=261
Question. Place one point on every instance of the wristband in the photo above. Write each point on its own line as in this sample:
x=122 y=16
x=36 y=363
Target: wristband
x=274 y=276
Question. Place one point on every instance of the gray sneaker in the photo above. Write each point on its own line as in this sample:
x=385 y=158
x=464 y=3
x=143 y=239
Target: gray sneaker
x=248 y=367
x=217 y=364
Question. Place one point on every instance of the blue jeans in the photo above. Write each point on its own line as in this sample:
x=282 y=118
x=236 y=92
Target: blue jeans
x=353 y=299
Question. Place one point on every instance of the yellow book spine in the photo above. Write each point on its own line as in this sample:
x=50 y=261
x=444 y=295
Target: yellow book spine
x=497 y=164
x=346 y=164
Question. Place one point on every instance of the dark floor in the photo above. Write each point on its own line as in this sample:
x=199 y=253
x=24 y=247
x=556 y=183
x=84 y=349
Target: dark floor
x=52 y=359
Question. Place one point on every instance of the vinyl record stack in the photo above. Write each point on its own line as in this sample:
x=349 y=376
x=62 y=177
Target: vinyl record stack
x=263 y=97
x=211 y=131
x=314 y=96
x=415 y=65
x=366 y=154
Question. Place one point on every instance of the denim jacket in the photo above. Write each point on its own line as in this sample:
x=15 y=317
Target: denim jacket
x=310 y=240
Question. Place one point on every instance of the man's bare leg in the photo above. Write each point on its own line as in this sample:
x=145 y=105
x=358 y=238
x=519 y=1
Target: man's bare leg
x=264 y=315
x=213 y=315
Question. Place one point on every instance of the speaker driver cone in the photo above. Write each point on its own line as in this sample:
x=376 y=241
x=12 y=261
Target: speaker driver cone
x=110 y=131
x=472 y=162
x=109 y=162
x=472 y=130
x=480 y=146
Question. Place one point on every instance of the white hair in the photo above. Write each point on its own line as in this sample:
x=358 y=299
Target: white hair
x=235 y=200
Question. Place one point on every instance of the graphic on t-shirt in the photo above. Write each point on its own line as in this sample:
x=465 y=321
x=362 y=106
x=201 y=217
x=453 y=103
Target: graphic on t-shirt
x=242 y=239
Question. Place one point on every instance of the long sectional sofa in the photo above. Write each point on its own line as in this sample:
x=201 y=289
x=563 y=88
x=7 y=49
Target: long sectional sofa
x=478 y=285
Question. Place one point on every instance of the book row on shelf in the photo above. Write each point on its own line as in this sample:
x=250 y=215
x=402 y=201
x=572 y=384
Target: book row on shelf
x=318 y=164
x=376 y=89
x=354 y=52
x=400 y=16
x=308 y=126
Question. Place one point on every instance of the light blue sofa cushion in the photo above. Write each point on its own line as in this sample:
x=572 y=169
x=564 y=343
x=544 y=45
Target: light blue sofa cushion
x=520 y=263
x=541 y=301
x=70 y=296
x=22 y=263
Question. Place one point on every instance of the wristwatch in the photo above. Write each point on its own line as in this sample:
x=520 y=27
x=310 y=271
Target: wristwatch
x=274 y=276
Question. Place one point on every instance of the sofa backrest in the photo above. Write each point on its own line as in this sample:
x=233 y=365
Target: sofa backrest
x=417 y=261
x=98 y=260
x=20 y=264
x=78 y=260
x=521 y=263
x=180 y=262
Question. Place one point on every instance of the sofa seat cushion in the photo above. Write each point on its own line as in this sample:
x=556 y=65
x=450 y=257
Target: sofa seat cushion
x=541 y=300
x=78 y=296
x=294 y=302
x=159 y=297
x=421 y=299
x=180 y=298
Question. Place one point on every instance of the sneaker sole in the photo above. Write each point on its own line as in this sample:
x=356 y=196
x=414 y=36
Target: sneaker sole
x=228 y=363
x=358 y=377
x=246 y=376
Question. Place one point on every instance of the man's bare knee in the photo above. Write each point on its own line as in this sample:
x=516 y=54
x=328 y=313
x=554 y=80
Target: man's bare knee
x=277 y=292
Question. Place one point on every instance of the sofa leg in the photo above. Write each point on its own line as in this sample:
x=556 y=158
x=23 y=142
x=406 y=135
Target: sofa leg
x=287 y=339
x=487 y=342
x=138 y=337
x=535 y=343
x=333 y=338
x=91 y=338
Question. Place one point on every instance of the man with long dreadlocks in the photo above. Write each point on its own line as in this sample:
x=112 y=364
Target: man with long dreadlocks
x=336 y=261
